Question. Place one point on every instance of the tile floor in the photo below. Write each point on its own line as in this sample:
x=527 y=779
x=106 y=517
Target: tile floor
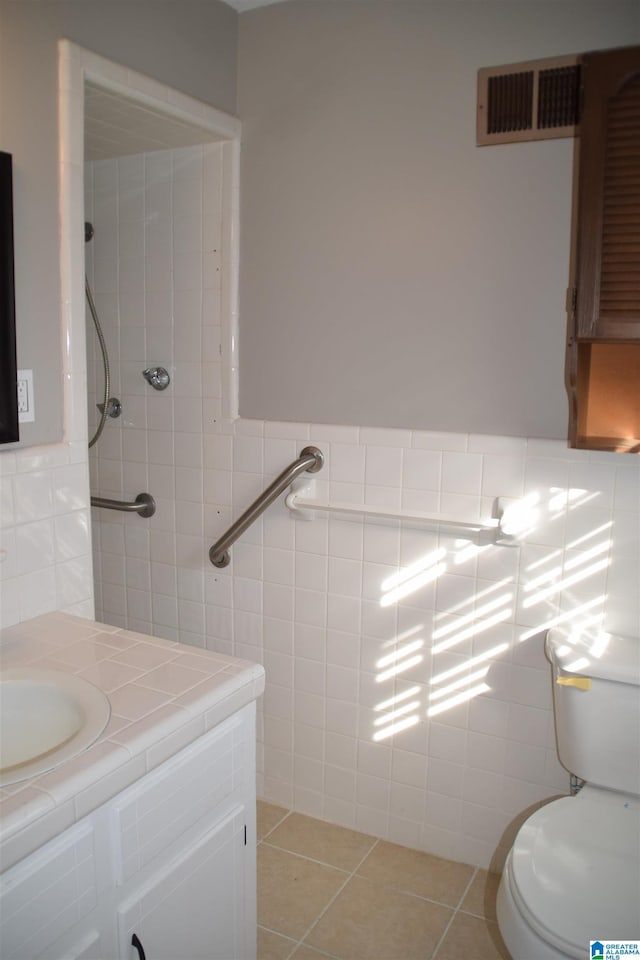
x=328 y=892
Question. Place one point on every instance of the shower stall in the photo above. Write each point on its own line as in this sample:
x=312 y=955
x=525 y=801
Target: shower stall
x=154 y=261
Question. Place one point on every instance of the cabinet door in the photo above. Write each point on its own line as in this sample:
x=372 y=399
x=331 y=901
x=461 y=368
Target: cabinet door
x=603 y=345
x=608 y=211
x=193 y=907
x=89 y=944
x=50 y=895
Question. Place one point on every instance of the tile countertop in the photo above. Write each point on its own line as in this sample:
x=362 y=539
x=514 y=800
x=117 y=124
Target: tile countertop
x=163 y=696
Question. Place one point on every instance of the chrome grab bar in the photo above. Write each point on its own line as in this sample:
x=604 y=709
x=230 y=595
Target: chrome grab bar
x=311 y=459
x=144 y=504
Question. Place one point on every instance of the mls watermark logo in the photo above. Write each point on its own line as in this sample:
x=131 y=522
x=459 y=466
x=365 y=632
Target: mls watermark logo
x=613 y=949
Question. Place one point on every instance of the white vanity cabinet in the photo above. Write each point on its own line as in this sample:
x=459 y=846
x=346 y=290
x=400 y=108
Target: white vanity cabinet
x=193 y=907
x=50 y=903
x=169 y=863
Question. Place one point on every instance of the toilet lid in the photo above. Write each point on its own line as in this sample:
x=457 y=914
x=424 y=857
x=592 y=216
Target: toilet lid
x=575 y=870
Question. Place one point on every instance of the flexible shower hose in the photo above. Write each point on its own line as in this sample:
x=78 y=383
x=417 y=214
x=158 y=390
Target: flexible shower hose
x=105 y=363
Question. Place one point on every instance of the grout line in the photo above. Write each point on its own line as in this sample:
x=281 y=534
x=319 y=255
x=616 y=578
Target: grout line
x=277 y=933
x=321 y=953
x=275 y=826
x=454 y=914
x=304 y=856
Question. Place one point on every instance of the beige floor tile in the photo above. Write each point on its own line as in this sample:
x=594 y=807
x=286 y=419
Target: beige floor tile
x=480 y=898
x=412 y=871
x=308 y=953
x=312 y=838
x=474 y=939
x=271 y=946
x=269 y=816
x=368 y=921
x=292 y=891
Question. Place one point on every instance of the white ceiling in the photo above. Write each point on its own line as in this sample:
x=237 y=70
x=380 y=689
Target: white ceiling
x=116 y=126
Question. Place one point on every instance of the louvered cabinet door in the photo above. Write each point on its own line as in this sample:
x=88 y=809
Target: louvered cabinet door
x=608 y=222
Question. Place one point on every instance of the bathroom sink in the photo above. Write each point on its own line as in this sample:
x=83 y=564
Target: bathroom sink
x=46 y=717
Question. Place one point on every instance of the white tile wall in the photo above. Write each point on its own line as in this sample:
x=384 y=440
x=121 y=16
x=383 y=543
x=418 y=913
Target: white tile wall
x=154 y=269
x=45 y=544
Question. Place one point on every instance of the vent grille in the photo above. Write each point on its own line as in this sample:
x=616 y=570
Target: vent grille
x=620 y=269
x=559 y=97
x=510 y=102
x=536 y=100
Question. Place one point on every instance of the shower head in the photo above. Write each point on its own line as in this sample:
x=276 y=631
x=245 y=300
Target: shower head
x=88 y=231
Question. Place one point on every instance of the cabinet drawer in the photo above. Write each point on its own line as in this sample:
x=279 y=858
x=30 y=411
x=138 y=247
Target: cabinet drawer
x=45 y=895
x=151 y=815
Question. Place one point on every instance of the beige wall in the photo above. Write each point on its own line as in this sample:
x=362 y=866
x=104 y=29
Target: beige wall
x=187 y=44
x=392 y=273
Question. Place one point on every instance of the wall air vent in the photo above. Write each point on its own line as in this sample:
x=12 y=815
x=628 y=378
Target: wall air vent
x=536 y=100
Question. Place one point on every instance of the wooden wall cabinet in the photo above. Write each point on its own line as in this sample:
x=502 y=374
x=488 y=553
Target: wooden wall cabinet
x=603 y=343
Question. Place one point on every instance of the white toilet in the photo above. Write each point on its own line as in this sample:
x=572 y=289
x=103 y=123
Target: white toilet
x=573 y=873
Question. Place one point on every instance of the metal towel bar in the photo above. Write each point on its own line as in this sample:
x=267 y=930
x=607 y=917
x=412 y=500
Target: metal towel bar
x=144 y=504
x=310 y=459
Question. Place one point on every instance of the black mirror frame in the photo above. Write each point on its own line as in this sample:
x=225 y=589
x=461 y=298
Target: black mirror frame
x=9 y=432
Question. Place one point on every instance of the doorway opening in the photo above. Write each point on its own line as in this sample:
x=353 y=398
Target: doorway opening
x=156 y=174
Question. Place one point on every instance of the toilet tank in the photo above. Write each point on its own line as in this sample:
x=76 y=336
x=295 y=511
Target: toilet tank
x=596 y=692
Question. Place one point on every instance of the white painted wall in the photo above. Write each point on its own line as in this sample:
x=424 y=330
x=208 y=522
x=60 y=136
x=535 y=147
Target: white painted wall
x=372 y=222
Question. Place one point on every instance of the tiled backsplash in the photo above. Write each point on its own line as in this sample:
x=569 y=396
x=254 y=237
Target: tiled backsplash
x=45 y=537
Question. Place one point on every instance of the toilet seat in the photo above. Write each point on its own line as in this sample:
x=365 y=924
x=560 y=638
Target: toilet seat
x=574 y=870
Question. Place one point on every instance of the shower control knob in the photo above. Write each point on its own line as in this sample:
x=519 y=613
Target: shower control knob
x=158 y=377
x=114 y=407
